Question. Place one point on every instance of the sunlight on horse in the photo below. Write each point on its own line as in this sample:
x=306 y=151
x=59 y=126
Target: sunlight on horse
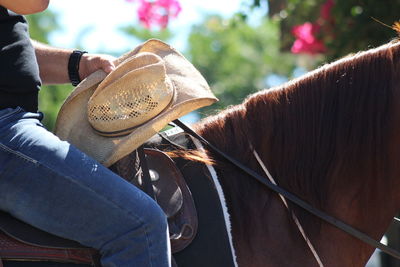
x=332 y=138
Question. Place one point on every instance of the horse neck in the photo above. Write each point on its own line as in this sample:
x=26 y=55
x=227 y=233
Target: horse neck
x=361 y=192
x=369 y=212
x=261 y=226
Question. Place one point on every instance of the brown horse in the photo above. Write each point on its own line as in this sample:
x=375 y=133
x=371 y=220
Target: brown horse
x=332 y=137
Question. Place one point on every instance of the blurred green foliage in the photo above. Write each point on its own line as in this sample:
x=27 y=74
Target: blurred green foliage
x=236 y=57
x=50 y=97
x=352 y=28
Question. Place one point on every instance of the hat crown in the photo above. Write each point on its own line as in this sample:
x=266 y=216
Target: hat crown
x=154 y=68
x=137 y=91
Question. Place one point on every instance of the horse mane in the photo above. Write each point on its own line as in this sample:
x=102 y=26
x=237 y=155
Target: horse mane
x=310 y=131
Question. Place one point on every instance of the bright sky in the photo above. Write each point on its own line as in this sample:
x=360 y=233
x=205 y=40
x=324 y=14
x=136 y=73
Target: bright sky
x=100 y=19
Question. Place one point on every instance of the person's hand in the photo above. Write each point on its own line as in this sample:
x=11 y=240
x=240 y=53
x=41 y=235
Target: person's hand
x=92 y=62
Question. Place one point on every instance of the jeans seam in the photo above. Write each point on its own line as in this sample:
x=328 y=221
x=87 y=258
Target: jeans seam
x=18 y=154
x=146 y=231
x=16 y=110
x=36 y=162
x=90 y=189
x=71 y=180
x=25 y=157
x=128 y=213
x=137 y=218
x=149 y=245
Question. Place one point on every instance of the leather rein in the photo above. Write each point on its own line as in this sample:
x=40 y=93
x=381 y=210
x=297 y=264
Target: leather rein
x=293 y=198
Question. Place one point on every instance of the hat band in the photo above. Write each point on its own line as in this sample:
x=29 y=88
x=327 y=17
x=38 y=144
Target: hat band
x=130 y=129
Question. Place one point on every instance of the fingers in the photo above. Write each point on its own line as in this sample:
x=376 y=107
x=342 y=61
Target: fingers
x=107 y=65
x=93 y=62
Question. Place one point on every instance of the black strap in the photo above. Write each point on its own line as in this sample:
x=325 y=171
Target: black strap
x=146 y=179
x=293 y=198
x=73 y=66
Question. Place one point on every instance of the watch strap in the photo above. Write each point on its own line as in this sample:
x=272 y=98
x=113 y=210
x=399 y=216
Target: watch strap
x=73 y=66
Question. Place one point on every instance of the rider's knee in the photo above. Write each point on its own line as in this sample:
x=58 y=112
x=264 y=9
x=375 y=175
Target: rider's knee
x=156 y=218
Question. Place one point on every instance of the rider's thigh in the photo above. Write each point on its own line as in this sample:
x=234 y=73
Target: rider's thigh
x=52 y=185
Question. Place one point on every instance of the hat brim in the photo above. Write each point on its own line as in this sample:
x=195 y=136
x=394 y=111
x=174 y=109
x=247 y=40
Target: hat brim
x=192 y=92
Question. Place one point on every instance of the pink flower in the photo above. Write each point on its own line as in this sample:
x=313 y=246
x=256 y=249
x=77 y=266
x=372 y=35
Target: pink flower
x=157 y=12
x=300 y=46
x=305 y=31
x=305 y=41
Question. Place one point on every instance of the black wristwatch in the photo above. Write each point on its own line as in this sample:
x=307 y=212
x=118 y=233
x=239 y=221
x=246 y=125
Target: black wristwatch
x=73 y=66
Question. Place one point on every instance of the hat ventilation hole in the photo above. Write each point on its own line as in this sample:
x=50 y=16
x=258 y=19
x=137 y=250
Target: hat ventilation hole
x=125 y=110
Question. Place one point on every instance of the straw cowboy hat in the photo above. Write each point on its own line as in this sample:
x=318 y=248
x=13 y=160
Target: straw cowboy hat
x=109 y=116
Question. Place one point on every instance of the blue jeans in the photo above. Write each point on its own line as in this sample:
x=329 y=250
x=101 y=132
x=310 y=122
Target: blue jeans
x=53 y=186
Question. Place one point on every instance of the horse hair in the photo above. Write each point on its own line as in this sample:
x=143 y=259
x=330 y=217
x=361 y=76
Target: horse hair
x=309 y=132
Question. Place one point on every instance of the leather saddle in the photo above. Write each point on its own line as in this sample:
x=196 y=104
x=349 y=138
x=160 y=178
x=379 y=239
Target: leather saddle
x=20 y=241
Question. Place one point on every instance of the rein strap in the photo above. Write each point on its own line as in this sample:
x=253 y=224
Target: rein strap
x=294 y=217
x=293 y=198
